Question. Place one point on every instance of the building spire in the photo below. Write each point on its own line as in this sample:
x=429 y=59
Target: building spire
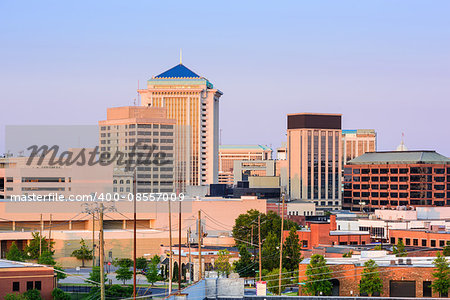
x=181 y=56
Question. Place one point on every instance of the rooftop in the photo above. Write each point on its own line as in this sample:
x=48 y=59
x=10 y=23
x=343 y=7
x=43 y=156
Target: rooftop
x=180 y=71
x=400 y=157
x=16 y=264
x=244 y=147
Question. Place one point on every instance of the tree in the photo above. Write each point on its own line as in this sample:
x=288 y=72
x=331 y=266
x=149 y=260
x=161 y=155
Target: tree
x=141 y=263
x=59 y=294
x=37 y=245
x=155 y=259
x=152 y=274
x=270 y=251
x=442 y=274
x=399 y=249
x=83 y=253
x=123 y=272
x=175 y=272
x=245 y=266
x=270 y=222
x=117 y=291
x=317 y=277
x=291 y=251
x=14 y=253
x=446 y=250
x=222 y=263
x=14 y=296
x=46 y=258
x=94 y=275
x=348 y=254
x=272 y=280
x=32 y=295
x=371 y=282
x=59 y=275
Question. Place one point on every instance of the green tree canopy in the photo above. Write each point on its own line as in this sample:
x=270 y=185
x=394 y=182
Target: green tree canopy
x=272 y=279
x=94 y=275
x=446 y=250
x=291 y=251
x=59 y=294
x=14 y=253
x=123 y=272
x=270 y=222
x=83 y=253
x=441 y=283
x=399 y=249
x=32 y=295
x=270 y=252
x=222 y=263
x=37 y=245
x=245 y=266
x=141 y=263
x=371 y=282
x=152 y=274
x=317 y=277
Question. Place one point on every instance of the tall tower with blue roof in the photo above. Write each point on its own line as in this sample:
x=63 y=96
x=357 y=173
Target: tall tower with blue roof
x=193 y=102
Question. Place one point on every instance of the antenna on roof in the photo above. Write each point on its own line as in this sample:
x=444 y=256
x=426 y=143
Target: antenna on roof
x=181 y=56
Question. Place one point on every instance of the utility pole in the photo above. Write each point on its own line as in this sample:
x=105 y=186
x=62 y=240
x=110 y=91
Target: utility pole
x=259 y=245
x=134 y=233
x=50 y=234
x=179 y=247
x=189 y=246
x=102 y=270
x=40 y=237
x=93 y=240
x=170 y=250
x=199 y=245
x=281 y=246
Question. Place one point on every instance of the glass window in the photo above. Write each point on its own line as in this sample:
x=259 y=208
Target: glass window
x=38 y=285
x=29 y=285
x=16 y=286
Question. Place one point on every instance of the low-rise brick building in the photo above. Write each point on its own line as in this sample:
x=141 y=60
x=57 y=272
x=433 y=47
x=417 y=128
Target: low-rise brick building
x=325 y=233
x=18 y=277
x=402 y=277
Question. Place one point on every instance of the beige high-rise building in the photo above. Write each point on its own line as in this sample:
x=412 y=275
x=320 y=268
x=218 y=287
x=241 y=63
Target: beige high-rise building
x=194 y=103
x=357 y=142
x=315 y=159
x=228 y=154
x=143 y=135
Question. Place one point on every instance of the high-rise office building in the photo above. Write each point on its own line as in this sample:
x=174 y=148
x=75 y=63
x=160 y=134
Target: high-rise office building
x=357 y=142
x=194 y=103
x=141 y=134
x=315 y=159
x=230 y=153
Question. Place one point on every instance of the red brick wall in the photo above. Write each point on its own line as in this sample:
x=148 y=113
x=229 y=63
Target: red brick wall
x=22 y=275
x=349 y=277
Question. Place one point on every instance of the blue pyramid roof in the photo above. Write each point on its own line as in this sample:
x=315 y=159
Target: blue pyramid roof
x=179 y=71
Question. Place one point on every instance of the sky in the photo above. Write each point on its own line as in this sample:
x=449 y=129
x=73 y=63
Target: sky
x=383 y=65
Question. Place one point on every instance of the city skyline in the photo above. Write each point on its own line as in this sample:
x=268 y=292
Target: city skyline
x=378 y=75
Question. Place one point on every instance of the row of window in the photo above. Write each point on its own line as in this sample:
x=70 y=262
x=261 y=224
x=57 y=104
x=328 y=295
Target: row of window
x=423 y=242
x=412 y=170
x=30 y=285
x=348 y=201
x=155 y=126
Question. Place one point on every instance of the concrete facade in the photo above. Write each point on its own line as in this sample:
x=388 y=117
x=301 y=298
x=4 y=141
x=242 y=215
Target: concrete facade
x=315 y=159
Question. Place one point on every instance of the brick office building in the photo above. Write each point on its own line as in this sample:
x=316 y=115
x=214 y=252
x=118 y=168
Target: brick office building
x=396 y=178
x=434 y=238
x=326 y=234
x=402 y=277
x=19 y=277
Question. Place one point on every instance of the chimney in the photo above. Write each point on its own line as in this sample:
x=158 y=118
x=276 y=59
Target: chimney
x=333 y=222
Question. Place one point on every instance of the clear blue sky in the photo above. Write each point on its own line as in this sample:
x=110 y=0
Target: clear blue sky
x=382 y=64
